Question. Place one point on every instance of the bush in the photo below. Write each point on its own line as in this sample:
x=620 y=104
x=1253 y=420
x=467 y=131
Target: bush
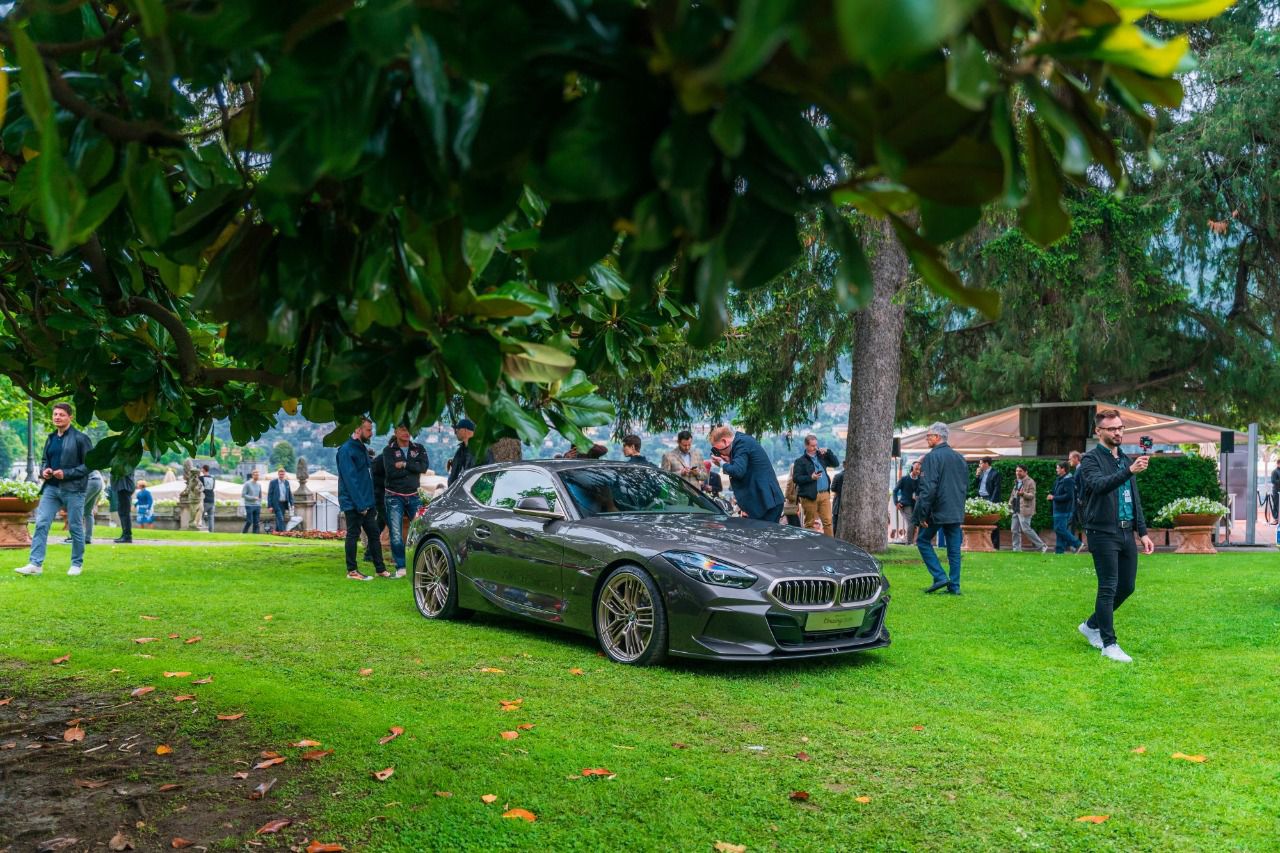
x=1166 y=479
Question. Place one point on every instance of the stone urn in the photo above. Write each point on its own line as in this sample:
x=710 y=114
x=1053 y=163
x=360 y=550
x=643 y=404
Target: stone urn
x=1196 y=530
x=14 y=513
x=977 y=532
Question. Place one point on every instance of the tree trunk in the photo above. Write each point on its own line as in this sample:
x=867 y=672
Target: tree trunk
x=877 y=363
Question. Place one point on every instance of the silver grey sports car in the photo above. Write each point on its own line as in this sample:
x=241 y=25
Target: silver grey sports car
x=640 y=559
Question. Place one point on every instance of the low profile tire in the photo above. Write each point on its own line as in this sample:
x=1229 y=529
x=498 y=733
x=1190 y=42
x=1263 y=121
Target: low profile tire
x=435 y=583
x=631 y=621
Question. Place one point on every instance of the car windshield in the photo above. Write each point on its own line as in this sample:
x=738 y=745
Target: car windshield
x=609 y=489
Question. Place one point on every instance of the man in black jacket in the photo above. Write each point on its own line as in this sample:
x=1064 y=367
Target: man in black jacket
x=904 y=498
x=280 y=498
x=1112 y=514
x=64 y=476
x=989 y=490
x=944 y=479
x=404 y=462
x=463 y=458
x=814 y=484
x=123 y=487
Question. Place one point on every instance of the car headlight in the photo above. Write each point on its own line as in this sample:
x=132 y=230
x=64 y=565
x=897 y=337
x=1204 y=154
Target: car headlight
x=700 y=567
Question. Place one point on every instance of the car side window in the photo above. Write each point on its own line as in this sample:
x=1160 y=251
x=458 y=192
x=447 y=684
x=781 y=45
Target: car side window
x=482 y=488
x=519 y=483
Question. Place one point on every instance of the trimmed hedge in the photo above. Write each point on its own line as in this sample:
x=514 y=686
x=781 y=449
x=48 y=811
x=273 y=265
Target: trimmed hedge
x=1166 y=479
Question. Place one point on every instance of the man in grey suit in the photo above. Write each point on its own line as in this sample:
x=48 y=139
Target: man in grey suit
x=944 y=482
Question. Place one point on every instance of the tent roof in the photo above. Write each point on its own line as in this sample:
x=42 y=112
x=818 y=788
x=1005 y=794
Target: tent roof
x=999 y=432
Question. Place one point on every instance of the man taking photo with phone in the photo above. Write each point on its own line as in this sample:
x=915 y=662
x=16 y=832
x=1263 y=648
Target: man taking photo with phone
x=1112 y=514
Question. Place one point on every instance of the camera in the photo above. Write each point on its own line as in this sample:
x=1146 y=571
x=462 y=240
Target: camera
x=1146 y=443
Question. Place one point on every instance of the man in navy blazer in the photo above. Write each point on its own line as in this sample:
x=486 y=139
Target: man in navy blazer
x=755 y=486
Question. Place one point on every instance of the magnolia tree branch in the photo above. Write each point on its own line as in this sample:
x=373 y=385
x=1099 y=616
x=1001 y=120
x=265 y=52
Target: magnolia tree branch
x=121 y=130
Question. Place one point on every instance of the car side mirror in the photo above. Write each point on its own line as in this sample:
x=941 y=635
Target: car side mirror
x=724 y=505
x=537 y=506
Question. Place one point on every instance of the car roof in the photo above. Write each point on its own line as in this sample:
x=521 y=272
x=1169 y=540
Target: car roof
x=554 y=464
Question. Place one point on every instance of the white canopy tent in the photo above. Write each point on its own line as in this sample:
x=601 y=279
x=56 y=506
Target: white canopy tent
x=1000 y=433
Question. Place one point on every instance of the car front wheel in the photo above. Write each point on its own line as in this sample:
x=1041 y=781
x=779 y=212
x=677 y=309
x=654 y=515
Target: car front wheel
x=631 y=622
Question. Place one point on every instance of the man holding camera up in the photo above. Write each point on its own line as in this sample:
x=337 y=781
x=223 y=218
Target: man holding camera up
x=1112 y=513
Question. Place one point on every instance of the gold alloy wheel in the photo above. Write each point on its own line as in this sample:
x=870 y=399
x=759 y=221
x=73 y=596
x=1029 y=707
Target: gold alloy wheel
x=624 y=617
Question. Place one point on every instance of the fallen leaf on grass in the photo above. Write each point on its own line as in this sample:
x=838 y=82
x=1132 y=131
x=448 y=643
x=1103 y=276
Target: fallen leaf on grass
x=488 y=799
x=1139 y=749
x=191 y=640
x=174 y=636
x=141 y=640
x=141 y=691
x=396 y=731
x=679 y=745
x=6 y=701
x=267 y=618
x=510 y=735
x=179 y=843
x=268 y=753
x=917 y=728
x=186 y=697
x=148 y=618
x=802 y=756
x=576 y=671
x=862 y=799
x=1093 y=818
x=163 y=749
x=444 y=793
x=522 y=814
x=61 y=660
x=172 y=786
x=240 y=774
x=273 y=826
x=115 y=670
x=597 y=771
x=493 y=669
x=269 y=762
x=315 y=754
x=366 y=671
x=73 y=734
x=176 y=674
x=9 y=744
x=305 y=742
x=525 y=727
x=384 y=775
x=510 y=704
x=261 y=791
x=208 y=680
x=229 y=717
x=726 y=847
x=322 y=847
x=119 y=842
x=1198 y=759
x=800 y=796
x=90 y=784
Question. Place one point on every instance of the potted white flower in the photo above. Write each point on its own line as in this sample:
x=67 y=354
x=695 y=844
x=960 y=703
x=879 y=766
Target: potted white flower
x=980 y=511
x=18 y=495
x=1192 y=512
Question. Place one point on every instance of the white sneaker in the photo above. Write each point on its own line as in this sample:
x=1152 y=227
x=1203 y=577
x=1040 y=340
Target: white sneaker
x=1115 y=653
x=1044 y=549
x=1093 y=635
x=73 y=571
x=29 y=569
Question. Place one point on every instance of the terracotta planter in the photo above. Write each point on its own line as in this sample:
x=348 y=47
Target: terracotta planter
x=976 y=530
x=13 y=522
x=1196 y=530
x=976 y=520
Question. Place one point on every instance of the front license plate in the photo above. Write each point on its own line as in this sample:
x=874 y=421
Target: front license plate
x=835 y=620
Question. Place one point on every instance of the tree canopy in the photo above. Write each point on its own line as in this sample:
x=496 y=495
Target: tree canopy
x=215 y=209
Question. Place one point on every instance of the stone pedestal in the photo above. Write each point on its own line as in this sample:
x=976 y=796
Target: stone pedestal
x=1196 y=539
x=304 y=502
x=977 y=537
x=14 y=515
x=191 y=515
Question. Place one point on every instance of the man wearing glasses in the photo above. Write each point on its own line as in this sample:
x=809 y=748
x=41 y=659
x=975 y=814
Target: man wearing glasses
x=1112 y=514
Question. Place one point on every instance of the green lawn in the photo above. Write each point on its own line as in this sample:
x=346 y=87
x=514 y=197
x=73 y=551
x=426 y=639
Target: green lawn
x=1025 y=728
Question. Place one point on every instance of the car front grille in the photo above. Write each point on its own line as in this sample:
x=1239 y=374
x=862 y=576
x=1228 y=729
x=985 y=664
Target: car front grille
x=816 y=592
x=859 y=589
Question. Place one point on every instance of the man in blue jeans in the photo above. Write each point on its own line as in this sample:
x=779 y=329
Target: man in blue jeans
x=1063 y=498
x=404 y=462
x=940 y=494
x=65 y=475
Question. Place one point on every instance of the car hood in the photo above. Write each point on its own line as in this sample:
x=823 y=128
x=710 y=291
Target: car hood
x=742 y=541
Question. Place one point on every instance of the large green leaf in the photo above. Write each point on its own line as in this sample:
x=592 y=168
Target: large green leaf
x=933 y=268
x=432 y=85
x=968 y=173
x=529 y=427
x=970 y=77
x=573 y=237
x=150 y=203
x=853 y=281
x=884 y=34
x=1043 y=217
x=537 y=363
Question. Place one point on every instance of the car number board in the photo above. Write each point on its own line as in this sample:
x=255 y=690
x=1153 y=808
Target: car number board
x=835 y=620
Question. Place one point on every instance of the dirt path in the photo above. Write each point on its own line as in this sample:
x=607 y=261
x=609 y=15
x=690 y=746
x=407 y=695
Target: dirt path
x=111 y=790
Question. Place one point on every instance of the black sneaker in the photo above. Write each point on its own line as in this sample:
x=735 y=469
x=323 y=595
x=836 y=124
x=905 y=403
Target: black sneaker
x=120 y=540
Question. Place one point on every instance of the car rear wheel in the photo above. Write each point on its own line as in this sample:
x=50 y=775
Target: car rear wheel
x=631 y=622
x=435 y=583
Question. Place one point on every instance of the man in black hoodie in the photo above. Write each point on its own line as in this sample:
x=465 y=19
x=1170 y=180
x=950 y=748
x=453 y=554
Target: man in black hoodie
x=64 y=474
x=404 y=462
x=1112 y=514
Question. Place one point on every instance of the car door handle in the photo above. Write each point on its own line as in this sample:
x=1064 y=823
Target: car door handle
x=482 y=532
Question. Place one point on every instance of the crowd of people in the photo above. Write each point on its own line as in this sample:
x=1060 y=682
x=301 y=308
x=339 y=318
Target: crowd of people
x=378 y=490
